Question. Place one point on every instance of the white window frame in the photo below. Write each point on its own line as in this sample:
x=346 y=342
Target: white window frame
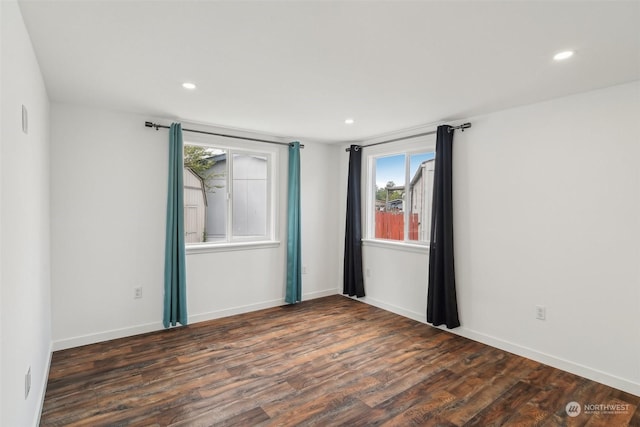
x=407 y=147
x=242 y=242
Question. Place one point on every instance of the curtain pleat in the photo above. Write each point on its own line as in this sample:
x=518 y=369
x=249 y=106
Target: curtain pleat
x=294 y=266
x=353 y=282
x=442 y=306
x=175 y=289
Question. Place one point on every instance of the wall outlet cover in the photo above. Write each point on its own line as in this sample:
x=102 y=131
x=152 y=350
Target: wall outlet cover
x=27 y=383
x=25 y=120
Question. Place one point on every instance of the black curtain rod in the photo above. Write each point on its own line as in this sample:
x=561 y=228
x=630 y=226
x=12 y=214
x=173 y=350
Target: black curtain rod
x=157 y=126
x=462 y=127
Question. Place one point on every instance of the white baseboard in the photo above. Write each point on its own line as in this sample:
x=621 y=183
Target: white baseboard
x=319 y=294
x=547 y=359
x=45 y=380
x=232 y=311
x=255 y=307
x=195 y=318
x=106 y=335
x=419 y=317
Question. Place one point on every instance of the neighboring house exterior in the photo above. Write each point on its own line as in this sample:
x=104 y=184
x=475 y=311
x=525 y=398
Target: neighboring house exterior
x=195 y=207
x=392 y=205
x=390 y=214
x=216 y=225
x=395 y=205
x=421 y=189
x=249 y=197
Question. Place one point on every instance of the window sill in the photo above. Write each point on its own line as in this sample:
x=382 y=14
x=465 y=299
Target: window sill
x=401 y=246
x=226 y=247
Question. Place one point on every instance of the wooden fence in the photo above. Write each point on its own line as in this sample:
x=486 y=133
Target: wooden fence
x=390 y=225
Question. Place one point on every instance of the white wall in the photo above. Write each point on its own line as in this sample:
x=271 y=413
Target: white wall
x=320 y=217
x=1 y=139
x=25 y=307
x=108 y=183
x=388 y=265
x=547 y=212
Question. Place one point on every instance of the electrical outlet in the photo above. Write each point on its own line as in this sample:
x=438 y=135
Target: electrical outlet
x=367 y=272
x=305 y=270
x=137 y=292
x=25 y=120
x=27 y=383
x=541 y=312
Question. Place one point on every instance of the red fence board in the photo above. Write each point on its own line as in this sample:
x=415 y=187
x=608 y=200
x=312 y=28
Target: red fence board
x=390 y=225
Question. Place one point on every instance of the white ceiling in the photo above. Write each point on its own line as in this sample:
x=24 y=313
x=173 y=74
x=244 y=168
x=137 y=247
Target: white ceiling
x=298 y=69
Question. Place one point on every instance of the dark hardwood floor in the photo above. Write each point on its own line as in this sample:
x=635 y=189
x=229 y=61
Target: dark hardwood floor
x=329 y=361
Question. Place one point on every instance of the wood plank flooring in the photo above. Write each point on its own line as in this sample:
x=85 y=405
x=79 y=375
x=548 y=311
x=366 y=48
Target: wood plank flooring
x=329 y=361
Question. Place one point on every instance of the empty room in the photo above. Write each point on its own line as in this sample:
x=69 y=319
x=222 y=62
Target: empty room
x=292 y=213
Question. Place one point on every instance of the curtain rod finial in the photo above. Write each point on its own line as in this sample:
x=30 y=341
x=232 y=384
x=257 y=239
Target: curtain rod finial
x=462 y=127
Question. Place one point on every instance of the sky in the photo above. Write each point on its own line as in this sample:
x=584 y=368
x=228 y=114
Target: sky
x=391 y=168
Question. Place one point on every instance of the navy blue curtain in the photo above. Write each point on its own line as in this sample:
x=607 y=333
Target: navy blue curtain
x=353 y=283
x=442 y=306
x=175 y=281
x=294 y=273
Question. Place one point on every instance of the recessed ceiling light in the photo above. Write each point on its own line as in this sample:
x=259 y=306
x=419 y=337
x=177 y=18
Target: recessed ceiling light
x=563 y=55
x=188 y=85
x=349 y=121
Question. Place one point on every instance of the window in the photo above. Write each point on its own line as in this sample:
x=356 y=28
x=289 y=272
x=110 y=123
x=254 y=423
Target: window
x=227 y=195
x=401 y=189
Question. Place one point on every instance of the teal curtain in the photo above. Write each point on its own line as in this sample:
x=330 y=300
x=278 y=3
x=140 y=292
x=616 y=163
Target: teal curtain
x=294 y=265
x=175 y=289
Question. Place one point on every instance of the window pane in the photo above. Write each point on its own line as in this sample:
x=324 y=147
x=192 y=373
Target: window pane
x=249 y=195
x=420 y=196
x=205 y=189
x=217 y=199
x=390 y=197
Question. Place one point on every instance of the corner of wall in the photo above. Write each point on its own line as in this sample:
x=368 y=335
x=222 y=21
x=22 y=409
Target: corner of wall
x=25 y=343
